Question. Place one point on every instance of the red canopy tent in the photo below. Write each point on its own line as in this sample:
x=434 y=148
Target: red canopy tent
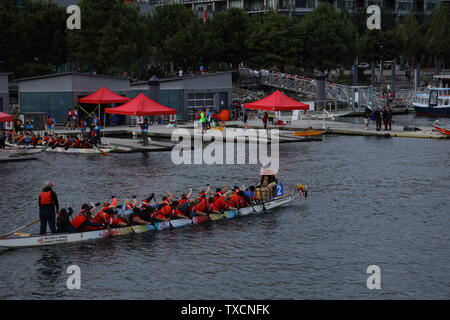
x=103 y=95
x=141 y=106
x=277 y=101
x=5 y=117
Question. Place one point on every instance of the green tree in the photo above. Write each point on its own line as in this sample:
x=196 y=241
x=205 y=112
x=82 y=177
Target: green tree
x=329 y=38
x=42 y=38
x=270 y=41
x=411 y=39
x=380 y=45
x=230 y=30
x=113 y=38
x=8 y=34
x=32 y=40
x=184 y=48
x=165 y=24
x=437 y=37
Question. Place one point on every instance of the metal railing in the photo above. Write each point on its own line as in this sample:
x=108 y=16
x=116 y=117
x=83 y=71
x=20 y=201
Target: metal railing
x=356 y=97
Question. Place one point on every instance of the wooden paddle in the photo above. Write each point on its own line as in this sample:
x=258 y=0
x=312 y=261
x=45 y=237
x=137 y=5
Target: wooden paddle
x=103 y=152
x=20 y=228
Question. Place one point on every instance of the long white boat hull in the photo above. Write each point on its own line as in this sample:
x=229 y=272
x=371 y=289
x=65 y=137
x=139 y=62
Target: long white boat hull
x=38 y=240
x=22 y=152
x=75 y=150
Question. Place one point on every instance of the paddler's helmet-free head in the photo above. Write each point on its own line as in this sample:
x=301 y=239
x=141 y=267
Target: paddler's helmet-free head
x=48 y=184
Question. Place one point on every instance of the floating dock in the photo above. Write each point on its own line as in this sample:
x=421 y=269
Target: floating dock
x=343 y=128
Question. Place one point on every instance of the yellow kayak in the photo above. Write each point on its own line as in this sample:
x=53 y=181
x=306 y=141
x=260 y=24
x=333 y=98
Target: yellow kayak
x=309 y=133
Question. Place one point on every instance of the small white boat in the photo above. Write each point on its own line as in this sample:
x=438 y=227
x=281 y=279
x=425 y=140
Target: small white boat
x=38 y=240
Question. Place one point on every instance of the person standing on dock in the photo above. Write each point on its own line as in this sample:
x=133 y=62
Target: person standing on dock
x=83 y=125
x=2 y=139
x=384 y=116
x=144 y=132
x=264 y=120
x=208 y=119
x=203 y=120
x=389 y=118
x=48 y=206
x=377 y=116
x=366 y=117
x=50 y=125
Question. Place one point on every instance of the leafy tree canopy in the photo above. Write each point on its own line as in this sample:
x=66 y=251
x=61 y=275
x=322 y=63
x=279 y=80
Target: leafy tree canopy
x=329 y=38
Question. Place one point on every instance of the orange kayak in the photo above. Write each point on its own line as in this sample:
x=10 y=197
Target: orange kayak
x=310 y=132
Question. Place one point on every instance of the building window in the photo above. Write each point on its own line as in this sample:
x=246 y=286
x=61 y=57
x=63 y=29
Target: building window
x=200 y=100
x=305 y=4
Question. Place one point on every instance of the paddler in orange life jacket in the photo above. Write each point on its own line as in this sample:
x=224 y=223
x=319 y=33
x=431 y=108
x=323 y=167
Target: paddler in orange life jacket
x=165 y=211
x=202 y=206
x=102 y=217
x=237 y=199
x=182 y=207
x=220 y=203
x=82 y=220
x=48 y=206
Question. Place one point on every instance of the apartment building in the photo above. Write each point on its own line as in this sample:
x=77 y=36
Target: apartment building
x=399 y=8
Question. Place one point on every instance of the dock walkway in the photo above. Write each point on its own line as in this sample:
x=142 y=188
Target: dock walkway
x=157 y=133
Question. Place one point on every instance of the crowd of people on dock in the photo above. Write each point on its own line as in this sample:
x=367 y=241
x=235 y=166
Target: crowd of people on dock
x=380 y=116
x=112 y=214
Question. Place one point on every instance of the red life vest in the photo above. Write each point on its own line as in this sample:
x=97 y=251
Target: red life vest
x=178 y=212
x=218 y=204
x=164 y=213
x=237 y=201
x=79 y=220
x=117 y=221
x=202 y=206
x=145 y=204
x=45 y=197
x=49 y=121
x=102 y=217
